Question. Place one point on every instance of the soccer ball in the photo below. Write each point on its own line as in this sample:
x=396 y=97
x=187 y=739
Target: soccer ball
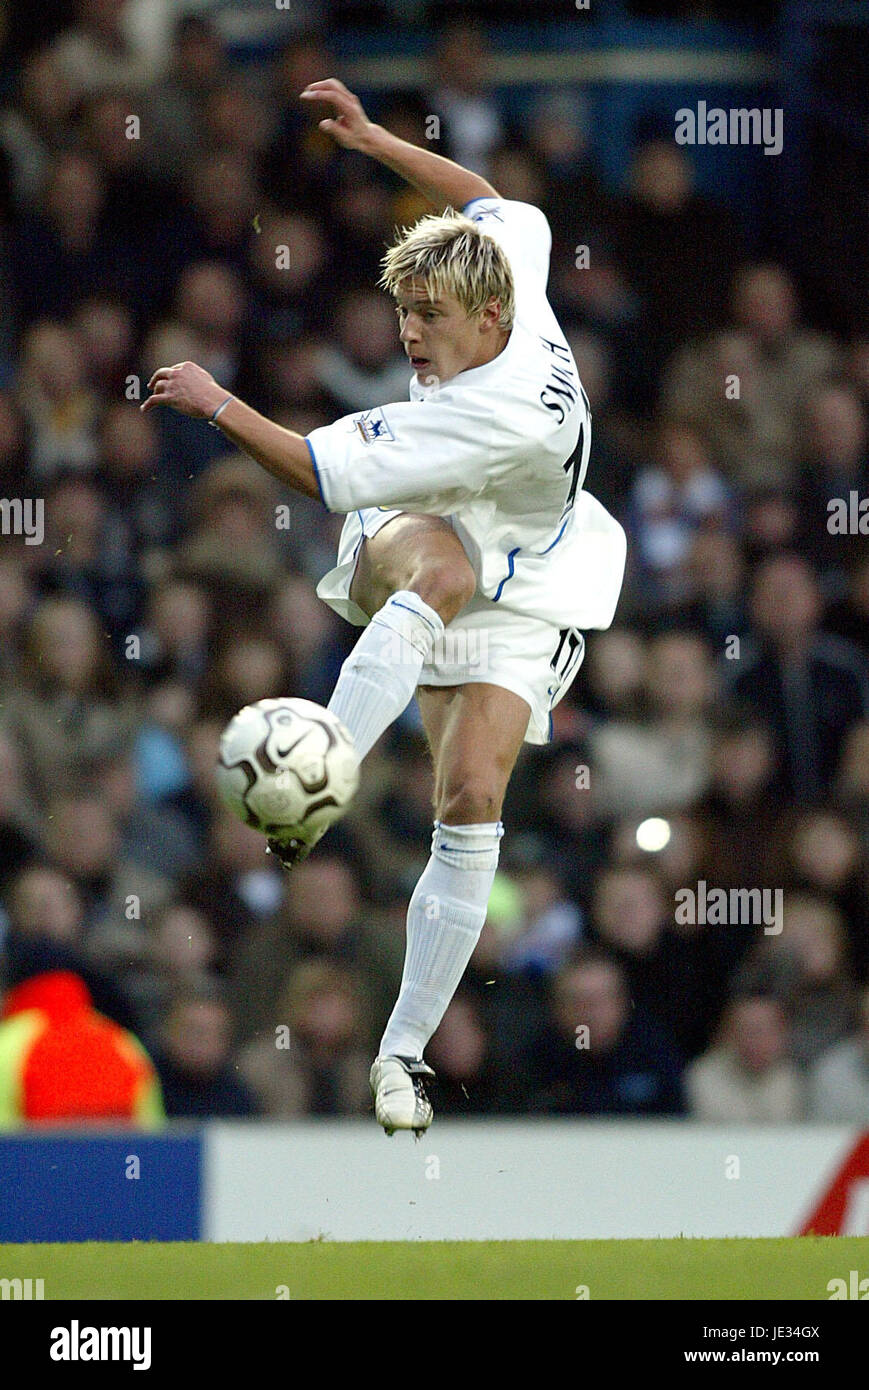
x=287 y=767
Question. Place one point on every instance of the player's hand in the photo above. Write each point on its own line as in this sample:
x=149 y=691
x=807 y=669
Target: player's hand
x=189 y=389
x=349 y=126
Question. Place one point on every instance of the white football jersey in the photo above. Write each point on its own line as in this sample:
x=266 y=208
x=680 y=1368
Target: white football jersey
x=502 y=450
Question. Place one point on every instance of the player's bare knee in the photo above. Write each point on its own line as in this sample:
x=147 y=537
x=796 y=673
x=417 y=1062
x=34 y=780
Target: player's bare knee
x=470 y=800
x=446 y=586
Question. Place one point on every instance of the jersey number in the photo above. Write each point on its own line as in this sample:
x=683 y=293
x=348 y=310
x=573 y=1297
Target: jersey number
x=573 y=466
x=568 y=653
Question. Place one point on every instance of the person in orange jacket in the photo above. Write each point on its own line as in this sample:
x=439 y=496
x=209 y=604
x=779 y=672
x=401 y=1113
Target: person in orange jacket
x=61 y=1062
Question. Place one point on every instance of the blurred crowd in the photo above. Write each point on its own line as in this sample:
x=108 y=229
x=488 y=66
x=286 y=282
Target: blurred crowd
x=142 y=216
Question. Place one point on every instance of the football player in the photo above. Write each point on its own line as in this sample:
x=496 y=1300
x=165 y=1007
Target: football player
x=471 y=554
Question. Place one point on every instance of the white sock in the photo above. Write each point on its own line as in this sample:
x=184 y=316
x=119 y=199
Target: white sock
x=444 y=920
x=380 y=675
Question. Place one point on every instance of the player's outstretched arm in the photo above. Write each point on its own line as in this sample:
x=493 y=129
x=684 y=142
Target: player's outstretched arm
x=192 y=391
x=440 y=180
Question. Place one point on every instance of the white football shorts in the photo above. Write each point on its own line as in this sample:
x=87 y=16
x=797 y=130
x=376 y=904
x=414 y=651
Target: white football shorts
x=536 y=660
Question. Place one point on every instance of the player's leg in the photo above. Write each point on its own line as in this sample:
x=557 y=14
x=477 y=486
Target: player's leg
x=412 y=578
x=422 y=553
x=475 y=732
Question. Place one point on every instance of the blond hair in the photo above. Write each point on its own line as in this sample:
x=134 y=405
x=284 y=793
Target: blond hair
x=450 y=254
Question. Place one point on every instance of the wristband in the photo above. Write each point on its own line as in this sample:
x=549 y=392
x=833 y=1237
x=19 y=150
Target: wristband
x=222 y=406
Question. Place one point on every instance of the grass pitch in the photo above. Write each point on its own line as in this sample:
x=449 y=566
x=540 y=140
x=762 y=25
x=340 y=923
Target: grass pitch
x=791 y=1268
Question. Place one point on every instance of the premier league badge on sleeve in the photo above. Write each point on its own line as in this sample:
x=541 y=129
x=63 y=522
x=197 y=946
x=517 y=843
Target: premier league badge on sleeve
x=372 y=425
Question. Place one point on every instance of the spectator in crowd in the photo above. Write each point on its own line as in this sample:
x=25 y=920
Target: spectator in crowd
x=142 y=206
x=391 y=816
x=746 y=1077
x=589 y=291
x=471 y=1081
x=103 y=50
x=671 y=501
x=105 y=329
x=60 y=407
x=309 y=633
x=38 y=126
x=518 y=174
x=575 y=197
x=61 y=1062
x=551 y=926
x=252 y=669
x=232 y=541
x=825 y=856
x=298 y=167
x=151 y=841
x=314 y=1060
x=835 y=464
x=290 y=291
x=236 y=118
x=87 y=555
x=72 y=699
x=17 y=602
x=810 y=687
x=237 y=887
x=768 y=358
x=194 y=1063
x=594 y=1055
x=615 y=674
x=322 y=916
x=678 y=249
x=770 y=522
x=558 y=793
x=364 y=209
x=714 y=602
x=365 y=367
x=62 y=250
x=181 y=949
x=294 y=371
x=84 y=838
x=176 y=101
x=662 y=760
x=665 y=967
x=805 y=967
x=175 y=633
x=176 y=757
x=838 y=1086
x=46 y=932
x=209 y=301
x=471 y=120
x=740 y=810
x=223 y=199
